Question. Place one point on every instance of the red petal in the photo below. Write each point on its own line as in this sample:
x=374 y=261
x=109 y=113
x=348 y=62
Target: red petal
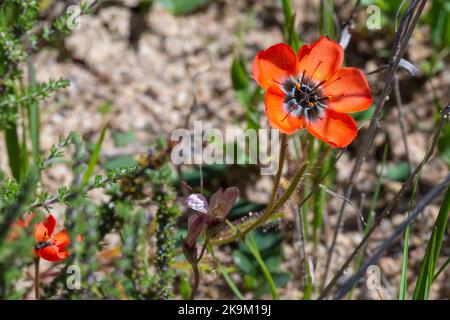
x=50 y=224
x=61 y=239
x=336 y=129
x=348 y=91
x=53 y=254
x=274 y=65
x=320 y=60
x=276 y=113
x=44 y=230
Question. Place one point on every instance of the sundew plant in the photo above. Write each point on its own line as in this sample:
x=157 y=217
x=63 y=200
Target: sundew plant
x=137 y=138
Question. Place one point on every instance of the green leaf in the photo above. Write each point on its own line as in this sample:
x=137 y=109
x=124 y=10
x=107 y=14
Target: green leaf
x=13 y=148
x=105 y=107
x=120 y=162
x=183 y=7
x=239 y=76
x=185 y=288
x=122 y=139
x=265 y=241
x=243 y=262
x=243 y=207
x=438 y=18
x=280 y=279
x=364 y=115
x=33 y=117
x=444 y=144
x=398 y=172
x=95 y=155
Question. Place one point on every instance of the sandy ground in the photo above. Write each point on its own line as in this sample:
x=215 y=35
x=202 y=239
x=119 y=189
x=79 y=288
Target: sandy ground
x=148 y=78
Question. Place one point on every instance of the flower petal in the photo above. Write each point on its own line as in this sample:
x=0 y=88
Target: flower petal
x=44 y=230
x=321 y=59
x=230 y=195
x=52 y=253
x=196 y=225
x=222 y=202
x=336 y=129
x=276 y=113
x=61 y=239
x=197 y=202
x=274 y=65
x=348 y=91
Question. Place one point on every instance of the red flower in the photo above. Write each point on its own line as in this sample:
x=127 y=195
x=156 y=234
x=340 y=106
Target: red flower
x=49 y=246
x=312 y=90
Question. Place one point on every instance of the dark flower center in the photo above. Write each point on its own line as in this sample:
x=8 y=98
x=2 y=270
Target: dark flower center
x=303 y=97
x=43 y=244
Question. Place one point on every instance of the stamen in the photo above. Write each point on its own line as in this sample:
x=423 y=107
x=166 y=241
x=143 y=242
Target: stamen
x=287 y=114
x=313 y=90
x=329 y=83
x=303 y=76
x=317 y=67
x=276 y=81
x=321 y=99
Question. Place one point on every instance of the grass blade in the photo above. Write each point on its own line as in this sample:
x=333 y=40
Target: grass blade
x=95 y=155
x=403 y=279
x=33 y=117
x=13 y=147
x=431 y=256
x=442 y=268
x=225 y=274
x=326 y=18
x=251 y=244
x=290 y=35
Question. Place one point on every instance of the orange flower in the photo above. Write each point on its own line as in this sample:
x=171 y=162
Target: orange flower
x=19 y=225
x=49 y=246
x=312 y=90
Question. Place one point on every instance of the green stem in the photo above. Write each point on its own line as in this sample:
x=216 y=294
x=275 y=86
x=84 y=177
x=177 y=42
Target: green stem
x=225 y=274
x=251 y=244
x=442 y=268
x=276 y=182
x=267 y=214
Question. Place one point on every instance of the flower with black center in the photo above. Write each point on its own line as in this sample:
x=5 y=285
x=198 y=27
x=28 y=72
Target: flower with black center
x=49 y=246
x=312 y=90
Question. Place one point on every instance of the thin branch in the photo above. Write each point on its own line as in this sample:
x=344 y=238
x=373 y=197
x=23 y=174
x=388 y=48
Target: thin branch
x=386 y=212
x=429 y=197
x=401 y=119
x=337 y=195
x=398 y=51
